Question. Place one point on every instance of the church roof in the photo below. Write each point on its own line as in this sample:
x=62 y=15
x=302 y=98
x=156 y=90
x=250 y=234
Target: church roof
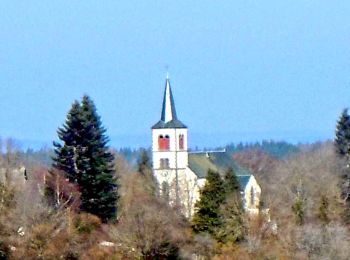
x=168 y=117
x=171 y=124
x=243 y=180
x=201 y=162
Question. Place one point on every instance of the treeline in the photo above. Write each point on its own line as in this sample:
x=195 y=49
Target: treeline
x=91 y=203
x=277 y=149
x=44 y=155
x=132 y=155
x=307 y=211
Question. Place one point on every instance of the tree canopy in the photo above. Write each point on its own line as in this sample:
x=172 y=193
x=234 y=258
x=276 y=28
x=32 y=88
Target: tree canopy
x=207 y=217
x=85 y=159
x=342 y=134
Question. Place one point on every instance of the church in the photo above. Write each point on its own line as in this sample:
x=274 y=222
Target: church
x=181 y=173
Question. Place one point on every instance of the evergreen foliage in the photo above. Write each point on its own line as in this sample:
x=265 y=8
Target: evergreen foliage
x=84 y=158
x=66 y=154
x=207 y=217
x=299 y=208
x=231 y=182
x=277 y=149
x=31 y=156
x=342 y=134
x=220 y=210
x=232 y=228
x=342 y=148
x=145 y=169
x=144 y=163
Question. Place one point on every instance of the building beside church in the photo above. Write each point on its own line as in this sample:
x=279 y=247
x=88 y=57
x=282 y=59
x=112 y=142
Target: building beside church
x=180 y=173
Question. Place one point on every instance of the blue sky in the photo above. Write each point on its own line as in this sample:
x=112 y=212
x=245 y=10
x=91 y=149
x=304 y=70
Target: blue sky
x=240 y=70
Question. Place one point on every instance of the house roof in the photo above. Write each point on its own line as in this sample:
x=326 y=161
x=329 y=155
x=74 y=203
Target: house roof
x=201 y=162
x=168 y=117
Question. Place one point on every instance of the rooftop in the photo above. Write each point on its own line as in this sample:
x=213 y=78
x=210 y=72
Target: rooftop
x=168 y=117
x=201 y=162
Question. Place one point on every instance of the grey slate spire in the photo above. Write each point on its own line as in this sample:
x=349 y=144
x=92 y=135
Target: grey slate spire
x=168 y=117
x=168 y=109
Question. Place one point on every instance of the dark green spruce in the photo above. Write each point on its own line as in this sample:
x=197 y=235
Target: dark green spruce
x=84 y=157
x=232 y=228
x=66 y=151
x=231 y=182
x=342 y=134
x=342 y=147
x=207 y=216
x=144 y=163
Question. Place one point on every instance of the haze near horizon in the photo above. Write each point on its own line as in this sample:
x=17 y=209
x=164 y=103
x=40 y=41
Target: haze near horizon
x=239 y=70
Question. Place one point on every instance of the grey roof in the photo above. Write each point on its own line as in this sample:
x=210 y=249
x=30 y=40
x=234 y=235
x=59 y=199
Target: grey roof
x=173 y=122
x=243 y=180
x=200 y=163
x=172 y=103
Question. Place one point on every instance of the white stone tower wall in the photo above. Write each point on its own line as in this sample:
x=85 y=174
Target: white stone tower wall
x=177 y=158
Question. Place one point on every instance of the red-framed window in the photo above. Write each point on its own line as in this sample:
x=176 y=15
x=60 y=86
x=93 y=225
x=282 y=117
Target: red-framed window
x=164 y=142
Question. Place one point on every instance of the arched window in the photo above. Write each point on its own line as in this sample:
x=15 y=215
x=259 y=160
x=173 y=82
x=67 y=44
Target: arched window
x=181 y=142
x=164 y=142
x=160 y=141
x=164 y=163
x=167 y=142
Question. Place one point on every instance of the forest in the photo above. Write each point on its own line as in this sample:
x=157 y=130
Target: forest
x=84 y=200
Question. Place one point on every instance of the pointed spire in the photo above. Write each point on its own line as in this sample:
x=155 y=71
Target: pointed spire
x=168 y=118
x=168 y=109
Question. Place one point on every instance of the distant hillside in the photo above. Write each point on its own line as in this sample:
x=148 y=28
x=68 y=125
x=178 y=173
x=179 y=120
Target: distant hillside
x=277 y=149
x=132 y=155
x=30 y=156
x=257 y=161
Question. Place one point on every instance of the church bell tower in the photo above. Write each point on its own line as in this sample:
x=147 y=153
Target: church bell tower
x=169 y=143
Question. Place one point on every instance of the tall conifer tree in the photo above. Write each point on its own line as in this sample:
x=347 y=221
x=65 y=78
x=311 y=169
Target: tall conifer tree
x=65 y=152
x=85 y=159
x=207 y=217
x=144 y=163
x=231 y=182
x=342 y=134
x=342 y=146
x=232 y=226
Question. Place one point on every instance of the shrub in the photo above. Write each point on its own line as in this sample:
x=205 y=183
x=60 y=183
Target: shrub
x=86 y=223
